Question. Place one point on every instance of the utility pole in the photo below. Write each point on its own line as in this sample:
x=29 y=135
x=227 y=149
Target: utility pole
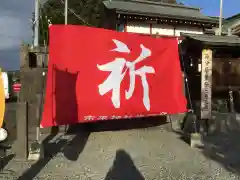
x=36 y=24
x=66 y=12
x=220 y=17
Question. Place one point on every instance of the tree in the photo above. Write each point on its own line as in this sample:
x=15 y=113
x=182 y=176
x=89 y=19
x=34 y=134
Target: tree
x=81 y=12
x=84 y=12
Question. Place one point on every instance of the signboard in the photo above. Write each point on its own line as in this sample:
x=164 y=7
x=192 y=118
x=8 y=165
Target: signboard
x=96 y=74
x=206 y=84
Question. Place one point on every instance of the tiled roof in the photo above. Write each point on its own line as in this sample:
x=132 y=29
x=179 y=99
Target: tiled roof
x=236 y=29
x=214 y=40
x=158 y=9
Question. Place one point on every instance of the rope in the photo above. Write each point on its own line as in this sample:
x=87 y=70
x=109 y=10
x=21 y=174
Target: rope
x=189 y=96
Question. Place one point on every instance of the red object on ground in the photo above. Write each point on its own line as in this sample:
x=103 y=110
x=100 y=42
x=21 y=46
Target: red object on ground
x=97 y=74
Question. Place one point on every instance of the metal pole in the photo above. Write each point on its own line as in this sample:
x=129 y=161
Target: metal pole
x=36 y=24
x=66 y=22
x=220 y=17
x=66 y=12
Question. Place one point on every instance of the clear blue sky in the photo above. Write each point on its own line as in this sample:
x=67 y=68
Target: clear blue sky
x=211 y=7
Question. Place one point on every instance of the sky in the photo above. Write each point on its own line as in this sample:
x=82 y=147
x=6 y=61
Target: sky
x=15 y=27
x=15 y=24
x=211 y=7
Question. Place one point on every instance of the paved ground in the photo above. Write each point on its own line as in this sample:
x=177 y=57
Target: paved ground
x=151 y=154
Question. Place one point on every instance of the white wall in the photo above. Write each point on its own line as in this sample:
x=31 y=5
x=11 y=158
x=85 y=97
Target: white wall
x=160 y=29
x=163 y=29
x=138 y=28
x=191 y=30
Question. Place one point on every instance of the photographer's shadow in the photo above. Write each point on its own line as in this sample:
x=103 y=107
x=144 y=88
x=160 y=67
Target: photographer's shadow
x=123 y=168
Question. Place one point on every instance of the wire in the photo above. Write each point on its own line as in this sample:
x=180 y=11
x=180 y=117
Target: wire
x=73 y=12
x=45 y=33
x=77 y=15
x=41 y=18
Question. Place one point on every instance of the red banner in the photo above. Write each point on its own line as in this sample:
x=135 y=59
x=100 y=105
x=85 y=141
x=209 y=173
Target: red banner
x=97 y=74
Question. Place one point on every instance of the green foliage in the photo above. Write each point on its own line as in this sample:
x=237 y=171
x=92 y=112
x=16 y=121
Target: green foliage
x=83 y=12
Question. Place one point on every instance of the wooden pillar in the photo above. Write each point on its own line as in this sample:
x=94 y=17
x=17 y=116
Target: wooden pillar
x=206 y=84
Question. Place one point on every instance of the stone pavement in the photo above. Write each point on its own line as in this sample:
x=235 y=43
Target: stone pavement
x=138 y=154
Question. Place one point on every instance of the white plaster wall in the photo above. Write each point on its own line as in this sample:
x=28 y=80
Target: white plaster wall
x=163 y=29
x=135 y=27
x=190 y=30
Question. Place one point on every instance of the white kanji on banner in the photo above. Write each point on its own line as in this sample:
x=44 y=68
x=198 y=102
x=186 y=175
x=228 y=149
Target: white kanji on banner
x=113 y=82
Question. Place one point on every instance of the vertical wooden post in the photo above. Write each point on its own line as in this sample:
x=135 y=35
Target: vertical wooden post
x=22 y=130
x=206 y=84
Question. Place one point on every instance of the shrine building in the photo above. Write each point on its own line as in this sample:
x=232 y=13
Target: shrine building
x=231 y=25
x=155 y=18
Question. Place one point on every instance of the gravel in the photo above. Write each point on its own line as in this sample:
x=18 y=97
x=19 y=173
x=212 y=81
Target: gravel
x=151 y=154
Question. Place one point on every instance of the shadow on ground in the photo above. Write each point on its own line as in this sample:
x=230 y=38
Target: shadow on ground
x=71 y=149
x=5 y=160
x=127 y=124
x=123 y=168
x=222 y=142
x=223 y=145
x=3 y=163
x=224 y=148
